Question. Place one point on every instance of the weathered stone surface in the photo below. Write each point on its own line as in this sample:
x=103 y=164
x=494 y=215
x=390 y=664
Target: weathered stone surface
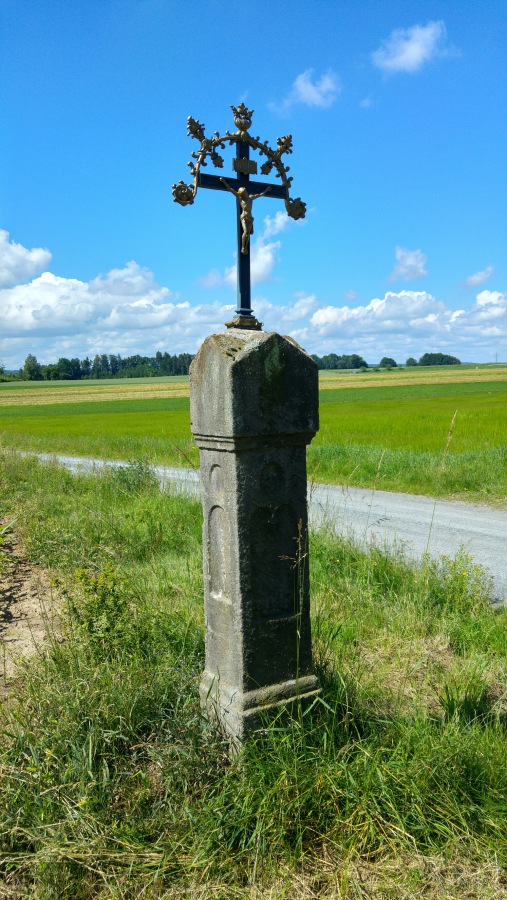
x=254 y=408
x=252 y=383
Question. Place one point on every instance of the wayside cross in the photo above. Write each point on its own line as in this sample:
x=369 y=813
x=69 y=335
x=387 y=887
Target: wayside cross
x=242 y=188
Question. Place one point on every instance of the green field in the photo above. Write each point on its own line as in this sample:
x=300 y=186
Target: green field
x=388 y=429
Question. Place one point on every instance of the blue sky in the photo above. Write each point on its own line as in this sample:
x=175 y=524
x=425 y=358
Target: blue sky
x=398 y=114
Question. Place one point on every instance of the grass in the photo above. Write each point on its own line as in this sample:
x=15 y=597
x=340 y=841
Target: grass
x=399 y=418
x=407 y=435
x=112 y=784
x=115 y=430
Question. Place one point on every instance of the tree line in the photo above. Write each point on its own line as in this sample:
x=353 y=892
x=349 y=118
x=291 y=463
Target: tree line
x=110 y=365
x=434 y=359
x=332 y=361
x=106 y=365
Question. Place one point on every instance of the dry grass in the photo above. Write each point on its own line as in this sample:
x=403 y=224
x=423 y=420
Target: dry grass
x=404 y=877
x=454 y=375
x=88 y=391
x=332 y=878
x=407 y=670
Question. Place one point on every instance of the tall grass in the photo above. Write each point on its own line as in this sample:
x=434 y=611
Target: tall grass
x=475 y=475
x=113 y=785
x=128 y=430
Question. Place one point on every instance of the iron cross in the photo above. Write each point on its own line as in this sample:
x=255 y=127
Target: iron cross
x=244 y=190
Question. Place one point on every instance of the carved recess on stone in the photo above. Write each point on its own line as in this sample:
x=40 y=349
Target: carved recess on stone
x=274 y=554
x=217 y=541
x=215 y=478
x=272 y=478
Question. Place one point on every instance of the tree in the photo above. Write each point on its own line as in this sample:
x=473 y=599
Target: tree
x=332 y=361
x=411 y=361
x=387 y=361
x=355 y=362
x=50 y=372
x=64 y=369
x=439 y=359
x=114 y=364
x=75 y=368
x=104 y=365
x=32 y=370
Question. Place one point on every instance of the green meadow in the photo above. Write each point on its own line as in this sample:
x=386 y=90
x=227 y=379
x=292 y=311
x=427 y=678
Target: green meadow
x=441 y=433
x=114 y=787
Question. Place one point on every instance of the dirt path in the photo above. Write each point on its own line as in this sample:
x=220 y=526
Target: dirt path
x=26 y=611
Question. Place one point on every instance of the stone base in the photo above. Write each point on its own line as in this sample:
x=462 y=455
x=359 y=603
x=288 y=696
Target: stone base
x=249 y=323
x=239 y=714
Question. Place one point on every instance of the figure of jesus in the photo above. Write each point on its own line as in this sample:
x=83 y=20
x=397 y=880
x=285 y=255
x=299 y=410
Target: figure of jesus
x=246 y=217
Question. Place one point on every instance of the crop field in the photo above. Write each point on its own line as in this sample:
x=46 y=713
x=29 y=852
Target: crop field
x=440 y=431
x=37 y=393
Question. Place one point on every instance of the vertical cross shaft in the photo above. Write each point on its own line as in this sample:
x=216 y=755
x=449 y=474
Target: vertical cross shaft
x=243 y=278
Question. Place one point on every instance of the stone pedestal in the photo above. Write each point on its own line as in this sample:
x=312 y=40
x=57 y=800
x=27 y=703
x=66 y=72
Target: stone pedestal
x=254 y=408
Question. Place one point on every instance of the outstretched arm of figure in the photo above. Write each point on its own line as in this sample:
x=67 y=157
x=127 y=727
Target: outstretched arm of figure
x=232 y=191
x=256 y=196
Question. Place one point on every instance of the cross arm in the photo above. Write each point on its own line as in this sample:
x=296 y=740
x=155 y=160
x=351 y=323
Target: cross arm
x=254 y=187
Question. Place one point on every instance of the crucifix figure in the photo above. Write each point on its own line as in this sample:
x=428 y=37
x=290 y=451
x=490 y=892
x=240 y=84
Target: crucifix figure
x=246 y=217
x=244 y=190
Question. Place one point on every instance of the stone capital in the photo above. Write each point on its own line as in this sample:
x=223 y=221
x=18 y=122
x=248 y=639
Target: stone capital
x=253 y=383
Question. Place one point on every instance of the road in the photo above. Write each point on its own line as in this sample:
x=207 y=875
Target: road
x=419 y=524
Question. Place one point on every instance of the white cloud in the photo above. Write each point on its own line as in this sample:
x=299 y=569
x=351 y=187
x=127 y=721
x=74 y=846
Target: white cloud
x=394 y=312
x=17 y=264
x=262 y=263
x=478 y=278
x=492 y=298
x=125 y=311
x=275 y=224
x=410 y=323
x=366 y=103
x=410 y=264
x=409 y=49
x=211 y=280
x=320 y=93
x=263 y=260
x=50 y=304
x=350 y=296
x=132 y=280
x=301 y=308
x=283 y=318
x=264 y=253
